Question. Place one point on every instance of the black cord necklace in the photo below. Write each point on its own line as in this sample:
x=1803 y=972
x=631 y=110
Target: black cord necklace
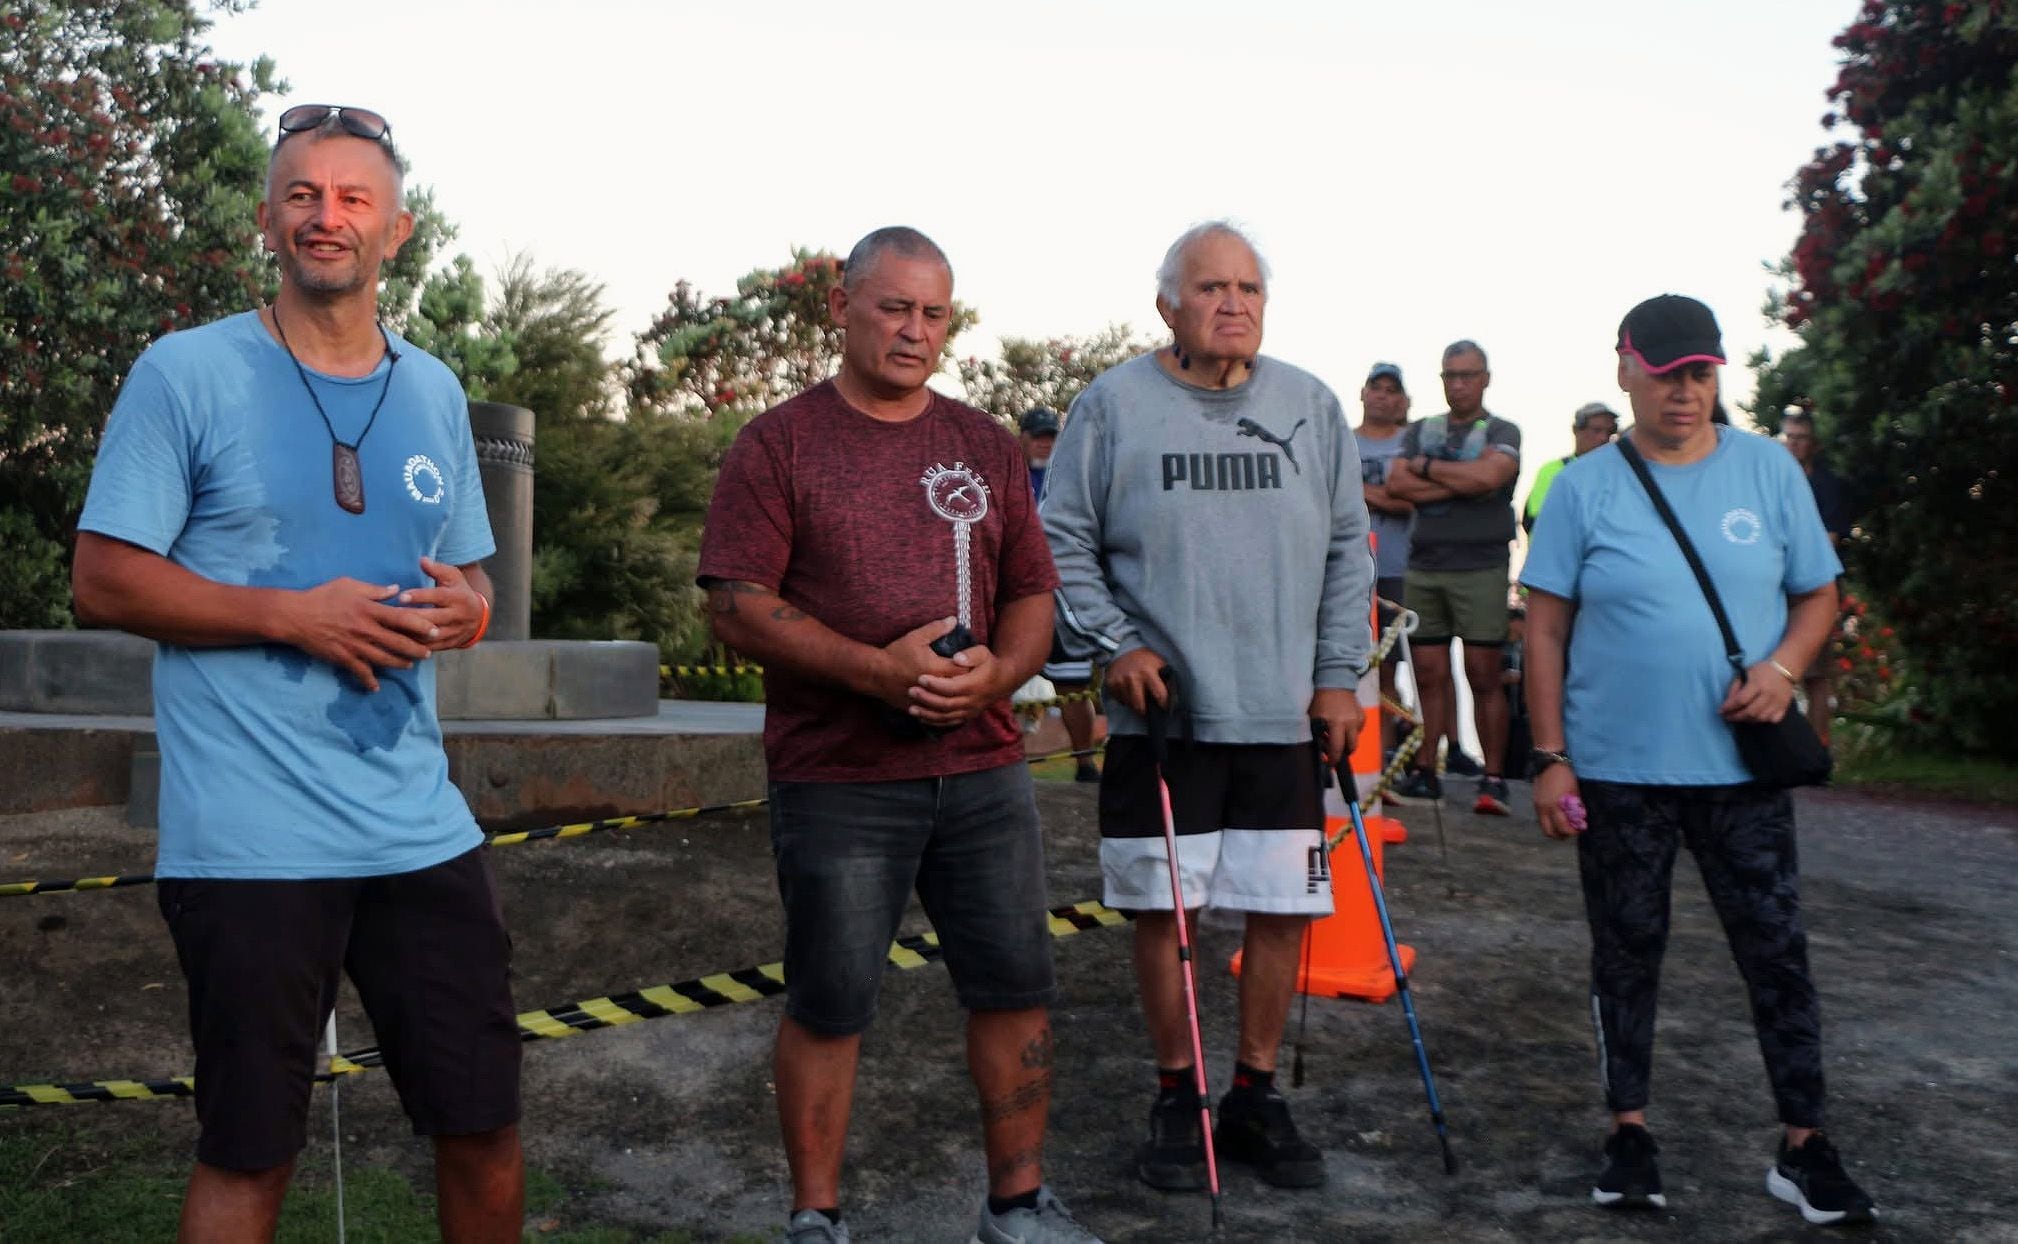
x=346 y=475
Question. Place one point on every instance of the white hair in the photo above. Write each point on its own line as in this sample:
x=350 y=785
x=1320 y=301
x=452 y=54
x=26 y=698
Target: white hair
x=1170 y=276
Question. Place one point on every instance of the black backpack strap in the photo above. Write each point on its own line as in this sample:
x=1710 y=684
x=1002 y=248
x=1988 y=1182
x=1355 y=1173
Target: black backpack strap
x=1732 y=652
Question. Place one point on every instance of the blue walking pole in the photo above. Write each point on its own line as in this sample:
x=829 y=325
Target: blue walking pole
x=1400 y=973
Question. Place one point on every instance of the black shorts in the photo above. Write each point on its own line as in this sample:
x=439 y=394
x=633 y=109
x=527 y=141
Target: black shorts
x=429 y=955
x=1250 y=827
x=849 y=855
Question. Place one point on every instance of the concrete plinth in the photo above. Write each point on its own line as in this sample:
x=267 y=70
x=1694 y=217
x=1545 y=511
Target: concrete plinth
x=515 y=774
x=109 y=673
x=99 y=672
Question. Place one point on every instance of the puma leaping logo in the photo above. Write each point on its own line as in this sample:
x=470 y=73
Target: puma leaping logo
x=1248 y=427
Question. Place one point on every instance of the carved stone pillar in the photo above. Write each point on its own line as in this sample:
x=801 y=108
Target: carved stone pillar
x=504 y=454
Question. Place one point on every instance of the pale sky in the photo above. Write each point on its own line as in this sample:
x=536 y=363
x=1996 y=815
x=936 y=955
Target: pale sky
x=1520 y=174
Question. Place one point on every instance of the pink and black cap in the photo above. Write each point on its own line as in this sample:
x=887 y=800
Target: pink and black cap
x=1664 y=333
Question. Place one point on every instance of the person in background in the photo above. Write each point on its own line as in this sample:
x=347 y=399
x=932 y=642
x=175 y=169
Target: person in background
x=1383 y=406
x=1460 y=468
x=1593 y=426
x=1037 y=432
x=1832 y=500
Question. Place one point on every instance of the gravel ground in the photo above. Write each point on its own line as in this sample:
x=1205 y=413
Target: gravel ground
x=670 y=1124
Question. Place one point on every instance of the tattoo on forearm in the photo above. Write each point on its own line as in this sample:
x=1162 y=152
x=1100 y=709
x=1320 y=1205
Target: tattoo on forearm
x=1032 y=1093
x=722 y=595
x=787 y=613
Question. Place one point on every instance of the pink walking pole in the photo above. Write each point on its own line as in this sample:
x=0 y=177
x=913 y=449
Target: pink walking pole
x=1159 y=743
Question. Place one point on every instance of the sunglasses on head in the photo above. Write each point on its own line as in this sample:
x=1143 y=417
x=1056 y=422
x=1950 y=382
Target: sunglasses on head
x=357 y=122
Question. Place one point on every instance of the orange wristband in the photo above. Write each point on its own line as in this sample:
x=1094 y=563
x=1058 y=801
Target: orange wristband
x=483 y=623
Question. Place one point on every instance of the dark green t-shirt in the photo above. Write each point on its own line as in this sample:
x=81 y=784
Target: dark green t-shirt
x=1463 y=533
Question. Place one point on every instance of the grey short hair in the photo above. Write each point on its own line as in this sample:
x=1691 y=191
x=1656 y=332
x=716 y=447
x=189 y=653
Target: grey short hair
x=1797 y=415
x=332 y=127
x=902 y=239
x=1467 y=346
x=1170 y=276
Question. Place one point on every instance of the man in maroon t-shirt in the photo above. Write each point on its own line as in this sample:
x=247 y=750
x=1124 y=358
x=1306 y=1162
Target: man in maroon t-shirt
x=854 y=530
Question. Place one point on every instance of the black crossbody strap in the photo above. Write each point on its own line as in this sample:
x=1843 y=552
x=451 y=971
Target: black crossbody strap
x=1732 y=652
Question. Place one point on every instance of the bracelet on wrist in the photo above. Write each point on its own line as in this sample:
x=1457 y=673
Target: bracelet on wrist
x=1541 y=758
x=1784 y=672
x=482 y=625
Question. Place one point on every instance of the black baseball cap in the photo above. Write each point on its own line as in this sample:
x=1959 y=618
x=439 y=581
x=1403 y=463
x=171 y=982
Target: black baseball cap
x=1386 y=371
x=1039 y=421
x=1665 y=332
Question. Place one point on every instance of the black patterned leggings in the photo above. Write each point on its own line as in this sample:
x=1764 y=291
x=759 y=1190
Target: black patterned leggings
x=1743 y=841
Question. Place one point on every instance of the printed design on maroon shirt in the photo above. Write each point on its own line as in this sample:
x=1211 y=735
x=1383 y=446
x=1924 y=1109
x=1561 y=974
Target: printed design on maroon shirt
x=848 y=519
x=959 y=495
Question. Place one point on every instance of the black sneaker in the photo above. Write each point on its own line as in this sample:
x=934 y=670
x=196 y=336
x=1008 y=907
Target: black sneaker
x=1255 y=1128
x=1459 y=763
x=1087 y=772
x=1812 y=1178
x=1493 y=798
x=1173 y=1158
x=1630 y=1179
x=1416 y=787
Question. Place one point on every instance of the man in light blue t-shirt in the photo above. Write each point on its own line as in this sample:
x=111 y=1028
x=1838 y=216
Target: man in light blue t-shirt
x=1632 y=709
x=287 y=501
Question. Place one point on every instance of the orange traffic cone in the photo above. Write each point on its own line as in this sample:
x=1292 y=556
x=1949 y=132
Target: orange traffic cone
x=1348 y=956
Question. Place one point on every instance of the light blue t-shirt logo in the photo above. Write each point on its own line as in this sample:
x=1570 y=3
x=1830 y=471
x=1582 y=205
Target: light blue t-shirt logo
x=1742 y=526
x=423 y=480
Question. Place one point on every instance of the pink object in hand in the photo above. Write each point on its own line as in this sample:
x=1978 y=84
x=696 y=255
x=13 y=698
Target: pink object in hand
x=1573 y=812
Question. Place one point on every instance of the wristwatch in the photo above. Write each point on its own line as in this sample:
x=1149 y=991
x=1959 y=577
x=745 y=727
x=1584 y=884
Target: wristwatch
x=1541 y=758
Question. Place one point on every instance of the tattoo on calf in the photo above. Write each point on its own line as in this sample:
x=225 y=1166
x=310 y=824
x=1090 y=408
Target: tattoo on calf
x=1037 y=1054
x=1032 y=1093
x=1009 y=1163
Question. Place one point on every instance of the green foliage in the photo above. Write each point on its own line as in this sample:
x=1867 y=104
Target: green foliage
x=130 y=161
x=1904 y=293
x=1049 y=373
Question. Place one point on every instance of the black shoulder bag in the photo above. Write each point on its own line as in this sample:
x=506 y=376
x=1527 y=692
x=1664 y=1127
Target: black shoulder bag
x=1779 y=754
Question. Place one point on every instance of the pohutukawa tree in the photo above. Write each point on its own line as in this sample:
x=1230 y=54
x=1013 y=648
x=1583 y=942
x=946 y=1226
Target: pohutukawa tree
x=1903 y=290
x=130 y=160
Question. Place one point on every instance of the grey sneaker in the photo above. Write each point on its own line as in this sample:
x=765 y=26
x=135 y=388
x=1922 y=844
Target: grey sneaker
x=1049 y=1223
x=810 y=1226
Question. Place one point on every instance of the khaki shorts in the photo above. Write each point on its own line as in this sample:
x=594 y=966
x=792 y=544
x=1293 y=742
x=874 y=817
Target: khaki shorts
x=1459 y=604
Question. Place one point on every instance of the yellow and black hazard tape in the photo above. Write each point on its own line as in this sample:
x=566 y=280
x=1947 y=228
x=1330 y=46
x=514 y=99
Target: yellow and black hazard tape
x=716 y=671
x=619 y=822
x=15 y=889
x=688 y=997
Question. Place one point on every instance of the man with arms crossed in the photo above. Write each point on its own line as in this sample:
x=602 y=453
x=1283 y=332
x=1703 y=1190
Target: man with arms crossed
x=1458 y=469
x=1205 y=512
x=853 y=527
x=287 y=501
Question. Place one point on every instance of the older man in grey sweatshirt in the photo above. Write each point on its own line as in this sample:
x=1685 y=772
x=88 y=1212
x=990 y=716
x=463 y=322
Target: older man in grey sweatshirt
x=1205 y=513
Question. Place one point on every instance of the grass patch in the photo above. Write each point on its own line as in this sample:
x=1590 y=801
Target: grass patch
x=1978 y=779
x=59 y=1186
